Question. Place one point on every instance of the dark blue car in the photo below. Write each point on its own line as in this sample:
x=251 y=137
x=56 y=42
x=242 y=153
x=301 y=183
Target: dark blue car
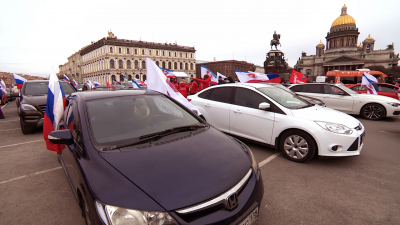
x=136 y=157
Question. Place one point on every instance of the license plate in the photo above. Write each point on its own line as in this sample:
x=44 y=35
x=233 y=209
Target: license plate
x=251 y=218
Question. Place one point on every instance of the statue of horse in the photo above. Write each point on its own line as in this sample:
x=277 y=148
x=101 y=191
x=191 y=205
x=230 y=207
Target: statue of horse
x=275 y=41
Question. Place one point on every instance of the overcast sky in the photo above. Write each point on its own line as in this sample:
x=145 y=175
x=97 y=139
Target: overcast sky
x=38 y=35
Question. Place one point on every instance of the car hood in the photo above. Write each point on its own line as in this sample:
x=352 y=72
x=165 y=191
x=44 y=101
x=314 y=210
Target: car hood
x=371 y=97
x=35 y=100
x=183 y=169
x=319 y=113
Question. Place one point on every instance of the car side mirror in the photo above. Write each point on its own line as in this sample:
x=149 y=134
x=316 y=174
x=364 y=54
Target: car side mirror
x=264 y=105
x=61 y=137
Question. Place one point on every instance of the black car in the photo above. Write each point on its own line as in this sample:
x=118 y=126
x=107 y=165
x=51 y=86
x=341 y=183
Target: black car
x=32 y=103
x=136 y=157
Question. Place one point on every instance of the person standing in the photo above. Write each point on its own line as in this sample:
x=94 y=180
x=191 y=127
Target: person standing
x=204 y=83
x=220 y=80
x=183 y=88
x=1 y=112
x=231 y=79
x=193 y=87
x=85 y=87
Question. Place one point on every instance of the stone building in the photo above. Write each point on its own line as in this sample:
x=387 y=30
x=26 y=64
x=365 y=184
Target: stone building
x=225 y=67
x=342 y=53
x=111 y=59
x=8 y=78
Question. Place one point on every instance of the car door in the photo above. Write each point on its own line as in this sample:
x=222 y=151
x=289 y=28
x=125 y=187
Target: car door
x=386 y=90
x=338 y=99
x=72 y=153
x=216 y=106
x=247 y=120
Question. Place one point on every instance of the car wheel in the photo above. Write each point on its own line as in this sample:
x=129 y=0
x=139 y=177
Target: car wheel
x=297 y=146
x=373 y=112
x=24 y=128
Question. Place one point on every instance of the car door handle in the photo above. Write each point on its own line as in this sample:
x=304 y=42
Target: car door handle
x=237 y=111
x=207 y=105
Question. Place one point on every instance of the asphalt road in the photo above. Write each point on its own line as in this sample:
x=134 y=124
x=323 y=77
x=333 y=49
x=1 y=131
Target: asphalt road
x=353 y=190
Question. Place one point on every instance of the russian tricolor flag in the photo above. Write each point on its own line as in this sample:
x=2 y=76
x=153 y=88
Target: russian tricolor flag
x=204 y=70
x=74 y=82
x=54 y=111
x=19 y=80
x=66 y=78
x=251 y=77
x=96 y=83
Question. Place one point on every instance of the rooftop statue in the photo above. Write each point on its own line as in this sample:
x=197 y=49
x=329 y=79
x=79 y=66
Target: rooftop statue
x=275 y=41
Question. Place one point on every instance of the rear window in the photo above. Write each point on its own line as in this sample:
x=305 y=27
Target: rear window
x=307 y=88
x=221 y=94
x=41 y=88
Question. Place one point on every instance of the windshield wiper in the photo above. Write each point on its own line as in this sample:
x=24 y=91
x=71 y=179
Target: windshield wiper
x=157 y=135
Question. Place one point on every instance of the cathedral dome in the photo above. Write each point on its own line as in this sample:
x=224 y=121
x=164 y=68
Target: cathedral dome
x=343 y=18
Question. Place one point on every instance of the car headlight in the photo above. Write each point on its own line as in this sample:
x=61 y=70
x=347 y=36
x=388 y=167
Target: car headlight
x=113 y=215
x=394 y=104
x=27 y=107
x=335 y=127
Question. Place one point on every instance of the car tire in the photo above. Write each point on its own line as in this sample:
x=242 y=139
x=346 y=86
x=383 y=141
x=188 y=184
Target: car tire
x=298 y=146
x=373 y=112
x=25 y=129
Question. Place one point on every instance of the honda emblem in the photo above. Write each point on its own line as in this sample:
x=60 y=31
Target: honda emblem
x=232 y=201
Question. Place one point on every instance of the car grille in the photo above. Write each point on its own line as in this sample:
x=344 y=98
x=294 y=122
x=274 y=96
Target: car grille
x=42 y=108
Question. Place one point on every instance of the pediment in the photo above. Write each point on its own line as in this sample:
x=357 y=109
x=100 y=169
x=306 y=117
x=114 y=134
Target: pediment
x=343 y=59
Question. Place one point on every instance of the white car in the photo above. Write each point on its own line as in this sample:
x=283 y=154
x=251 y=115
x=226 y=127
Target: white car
x=339 y=97
x=270 y=115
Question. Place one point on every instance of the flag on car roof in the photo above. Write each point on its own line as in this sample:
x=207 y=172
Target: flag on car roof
x=65 y=78
x=54 y=111
x=74 y=82
x=367 y=81
x=90 y=85
x=18 y=80
x=108 y=84
x=157 y=81
x=116 y=82
x=3 y=86
x=96 y=83
x=252 y=77
x=204 y=70
x=168 y=73
x=297 y=78
x=135 y=85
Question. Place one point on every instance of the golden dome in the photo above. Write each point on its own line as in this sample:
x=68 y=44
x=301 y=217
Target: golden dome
x=343 y=18
x=320 y=43
x=369 y=37
x=360 y=45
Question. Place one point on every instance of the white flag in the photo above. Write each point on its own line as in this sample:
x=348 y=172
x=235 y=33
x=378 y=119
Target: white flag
x=367 y=81
x=157 y=81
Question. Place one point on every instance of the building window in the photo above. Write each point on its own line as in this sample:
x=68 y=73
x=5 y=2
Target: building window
x=186 y=66
x=136 y=64
x=169 y=65
x=163 y=65
x=111 y=50
x=180 y=55
x=137 y=77
x=120 y=64
x=175 y=65
x=156 y=52
x=120 y=50
x=157 y=63
x=143 y=64
x=169 y=54
x=186 y=55
x=175 y=54
x=191 y=66
x=129 y=77
x=163 y=53
x=113 y=78
x=127 y=51
x=143 y=52
x=144 y=77
x=128 y=64
x=112 y=66
x=121 y=77
x=135 y=51
x=191 y=56
x=181 y=66
x=149 y=52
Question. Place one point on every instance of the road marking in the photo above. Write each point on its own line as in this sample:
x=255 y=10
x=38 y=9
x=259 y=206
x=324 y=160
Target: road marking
x=5 y=146
x=4 y=106
x=389 y=132
x=8 y=121
x=29 y=175
x=267 y=160
x=10 y=129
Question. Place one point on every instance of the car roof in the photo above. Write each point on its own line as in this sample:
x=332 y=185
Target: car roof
x=40 y=81
x=90 y=95
x=255 y=85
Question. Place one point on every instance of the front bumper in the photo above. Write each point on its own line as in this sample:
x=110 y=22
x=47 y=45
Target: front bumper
x=248 y=199
x=31 y=118
x=392 y=111
x=347 y=145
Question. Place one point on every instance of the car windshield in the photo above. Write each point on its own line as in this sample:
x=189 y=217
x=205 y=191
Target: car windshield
x=41 y=88
x=346 y=89
x=120 y=120
x=284 y=98
x=79 y=86
x=127 y=84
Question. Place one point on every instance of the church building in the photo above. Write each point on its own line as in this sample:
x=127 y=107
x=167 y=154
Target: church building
x=341 y=51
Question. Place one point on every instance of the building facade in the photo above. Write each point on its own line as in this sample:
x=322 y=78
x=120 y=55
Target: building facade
x=225 y=67
x=341 y=51
x=112 y=59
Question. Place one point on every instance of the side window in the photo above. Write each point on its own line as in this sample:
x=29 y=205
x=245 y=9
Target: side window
x=73 y=123
x=221 y=94
x=332 y=90
x=297 y=88
x=312 y=89
x=384 y=88
x=248 y=98
x=206 y=94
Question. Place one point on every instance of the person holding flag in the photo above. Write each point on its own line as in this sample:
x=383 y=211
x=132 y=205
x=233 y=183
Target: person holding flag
x=192 y=86
x=157 y=81
x=367 y=81
x=54 y=111
x=205 y=71
x=297 y=78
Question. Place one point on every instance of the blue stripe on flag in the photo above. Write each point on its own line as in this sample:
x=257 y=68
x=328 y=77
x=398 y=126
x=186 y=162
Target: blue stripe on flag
x=50 y=105
x=208 y=70
x=239 y=71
